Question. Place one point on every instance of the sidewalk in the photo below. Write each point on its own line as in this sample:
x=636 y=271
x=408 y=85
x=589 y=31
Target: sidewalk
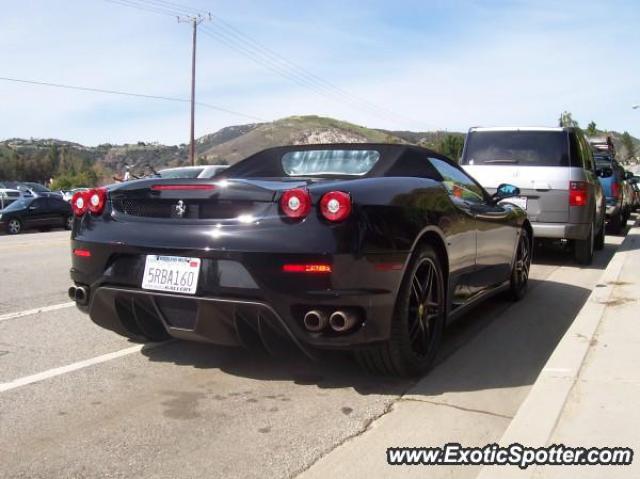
x=588 y=394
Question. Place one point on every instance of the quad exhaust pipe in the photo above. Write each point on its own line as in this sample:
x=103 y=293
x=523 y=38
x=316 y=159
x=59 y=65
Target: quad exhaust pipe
x=341 y=321
x=315 y=320
x=79 y=294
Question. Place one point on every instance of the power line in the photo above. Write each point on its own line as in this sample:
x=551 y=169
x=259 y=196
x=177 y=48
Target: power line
x=248 y=51
x=247 y=46
x=131 y=94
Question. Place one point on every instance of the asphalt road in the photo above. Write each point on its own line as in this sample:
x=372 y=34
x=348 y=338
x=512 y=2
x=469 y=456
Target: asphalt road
x=78 y=401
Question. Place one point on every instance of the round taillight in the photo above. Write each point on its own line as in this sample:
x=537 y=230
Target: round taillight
x=335 y=205
x=296 y=203
x=80 y=203
x=97 y=199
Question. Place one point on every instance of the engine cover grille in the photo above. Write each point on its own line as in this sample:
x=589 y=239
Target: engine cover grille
x=189 y=209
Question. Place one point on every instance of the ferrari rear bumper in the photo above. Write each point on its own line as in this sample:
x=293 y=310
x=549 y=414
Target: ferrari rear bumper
x=242 y=298
x=217 y=320
x=241 y=322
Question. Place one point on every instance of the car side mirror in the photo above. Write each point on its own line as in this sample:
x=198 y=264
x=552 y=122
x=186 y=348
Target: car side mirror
x=505 y=190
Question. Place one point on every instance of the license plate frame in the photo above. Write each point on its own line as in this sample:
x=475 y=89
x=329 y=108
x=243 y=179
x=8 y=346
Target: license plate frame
x=171 y=274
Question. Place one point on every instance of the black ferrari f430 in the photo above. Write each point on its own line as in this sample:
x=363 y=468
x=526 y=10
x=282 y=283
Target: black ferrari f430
x=371 y=248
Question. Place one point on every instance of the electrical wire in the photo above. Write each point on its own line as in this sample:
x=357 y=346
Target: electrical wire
x=247 y=46
x=131 y=94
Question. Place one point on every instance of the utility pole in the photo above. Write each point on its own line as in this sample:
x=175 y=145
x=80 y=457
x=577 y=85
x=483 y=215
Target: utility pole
x=195 y=21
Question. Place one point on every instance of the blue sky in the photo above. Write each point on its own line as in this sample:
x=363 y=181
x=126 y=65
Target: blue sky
x=430 y=64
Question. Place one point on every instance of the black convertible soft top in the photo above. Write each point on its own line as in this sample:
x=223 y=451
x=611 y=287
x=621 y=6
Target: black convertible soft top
x=395 y=160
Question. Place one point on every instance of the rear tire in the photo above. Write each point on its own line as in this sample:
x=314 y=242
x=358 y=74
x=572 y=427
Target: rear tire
x=68 y=222
x=583 y=249
x=615 y=225
x=417 y=323
x=521 y=267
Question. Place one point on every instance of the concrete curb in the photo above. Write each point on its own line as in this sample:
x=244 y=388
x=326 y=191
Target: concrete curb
x=537 y=417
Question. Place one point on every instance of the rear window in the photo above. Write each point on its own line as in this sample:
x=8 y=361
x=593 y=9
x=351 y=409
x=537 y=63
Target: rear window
x=522 y=148
x=329 y=162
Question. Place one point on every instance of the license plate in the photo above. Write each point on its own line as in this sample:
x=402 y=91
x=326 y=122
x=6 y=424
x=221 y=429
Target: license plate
x=520 y=201
x=174 y=274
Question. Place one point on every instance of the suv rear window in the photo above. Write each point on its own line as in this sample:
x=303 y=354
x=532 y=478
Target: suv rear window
x=329 y=162
x=523 y=148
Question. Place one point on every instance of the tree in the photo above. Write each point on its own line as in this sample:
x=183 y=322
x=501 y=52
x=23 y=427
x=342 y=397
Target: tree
x=567 y=120
x=592 y=129
x=451 y=146
x=628 y=146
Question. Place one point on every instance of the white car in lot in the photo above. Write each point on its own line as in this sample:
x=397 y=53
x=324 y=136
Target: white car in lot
x=68 y=194
x=8 y=195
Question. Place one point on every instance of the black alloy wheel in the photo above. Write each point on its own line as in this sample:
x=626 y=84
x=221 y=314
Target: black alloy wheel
x=424 y=307
x=418 y=321
x=521 y=267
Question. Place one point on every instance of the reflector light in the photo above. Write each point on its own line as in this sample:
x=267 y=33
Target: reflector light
x=577 y=193
x=306 y=268
x=388 y=266
x=335 y=205
x=181 y=187
x=83 y=253
x=615 y=190
x=80 y=203
x=296 y=203
x=97 y=200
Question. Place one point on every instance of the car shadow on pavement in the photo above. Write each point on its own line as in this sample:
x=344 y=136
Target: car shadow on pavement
x=555 y=255
x=505 y=347
x=499 y=344
x=328 y=370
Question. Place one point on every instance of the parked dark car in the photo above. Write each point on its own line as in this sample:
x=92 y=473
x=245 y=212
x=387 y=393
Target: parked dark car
x=362 y=247
x=40 y=212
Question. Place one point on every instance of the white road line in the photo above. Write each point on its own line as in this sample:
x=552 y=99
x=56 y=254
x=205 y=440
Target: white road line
x=29 y=312
x=51 y=373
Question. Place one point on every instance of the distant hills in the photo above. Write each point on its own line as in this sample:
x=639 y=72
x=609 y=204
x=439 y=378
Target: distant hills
x=41 y=159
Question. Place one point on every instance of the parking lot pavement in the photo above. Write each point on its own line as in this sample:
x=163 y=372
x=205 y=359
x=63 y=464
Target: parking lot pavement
x=34 y=269
x=73 y=409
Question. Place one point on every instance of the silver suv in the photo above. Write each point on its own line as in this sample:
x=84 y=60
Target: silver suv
x=556 y=174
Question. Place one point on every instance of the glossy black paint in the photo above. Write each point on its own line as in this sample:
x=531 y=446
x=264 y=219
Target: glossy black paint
x=242 y=289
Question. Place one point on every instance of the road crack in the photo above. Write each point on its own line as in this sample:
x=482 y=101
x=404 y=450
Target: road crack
x=461 y=408
x=366 y=427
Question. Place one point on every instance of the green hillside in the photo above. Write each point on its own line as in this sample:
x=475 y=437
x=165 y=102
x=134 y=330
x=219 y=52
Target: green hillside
x=73 y=164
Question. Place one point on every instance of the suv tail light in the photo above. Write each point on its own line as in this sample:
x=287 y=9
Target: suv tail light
x=80 y=202
x=295 y=203
x=615 y=190
x=335 y=205
x=97 y=200
x=577 y=193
